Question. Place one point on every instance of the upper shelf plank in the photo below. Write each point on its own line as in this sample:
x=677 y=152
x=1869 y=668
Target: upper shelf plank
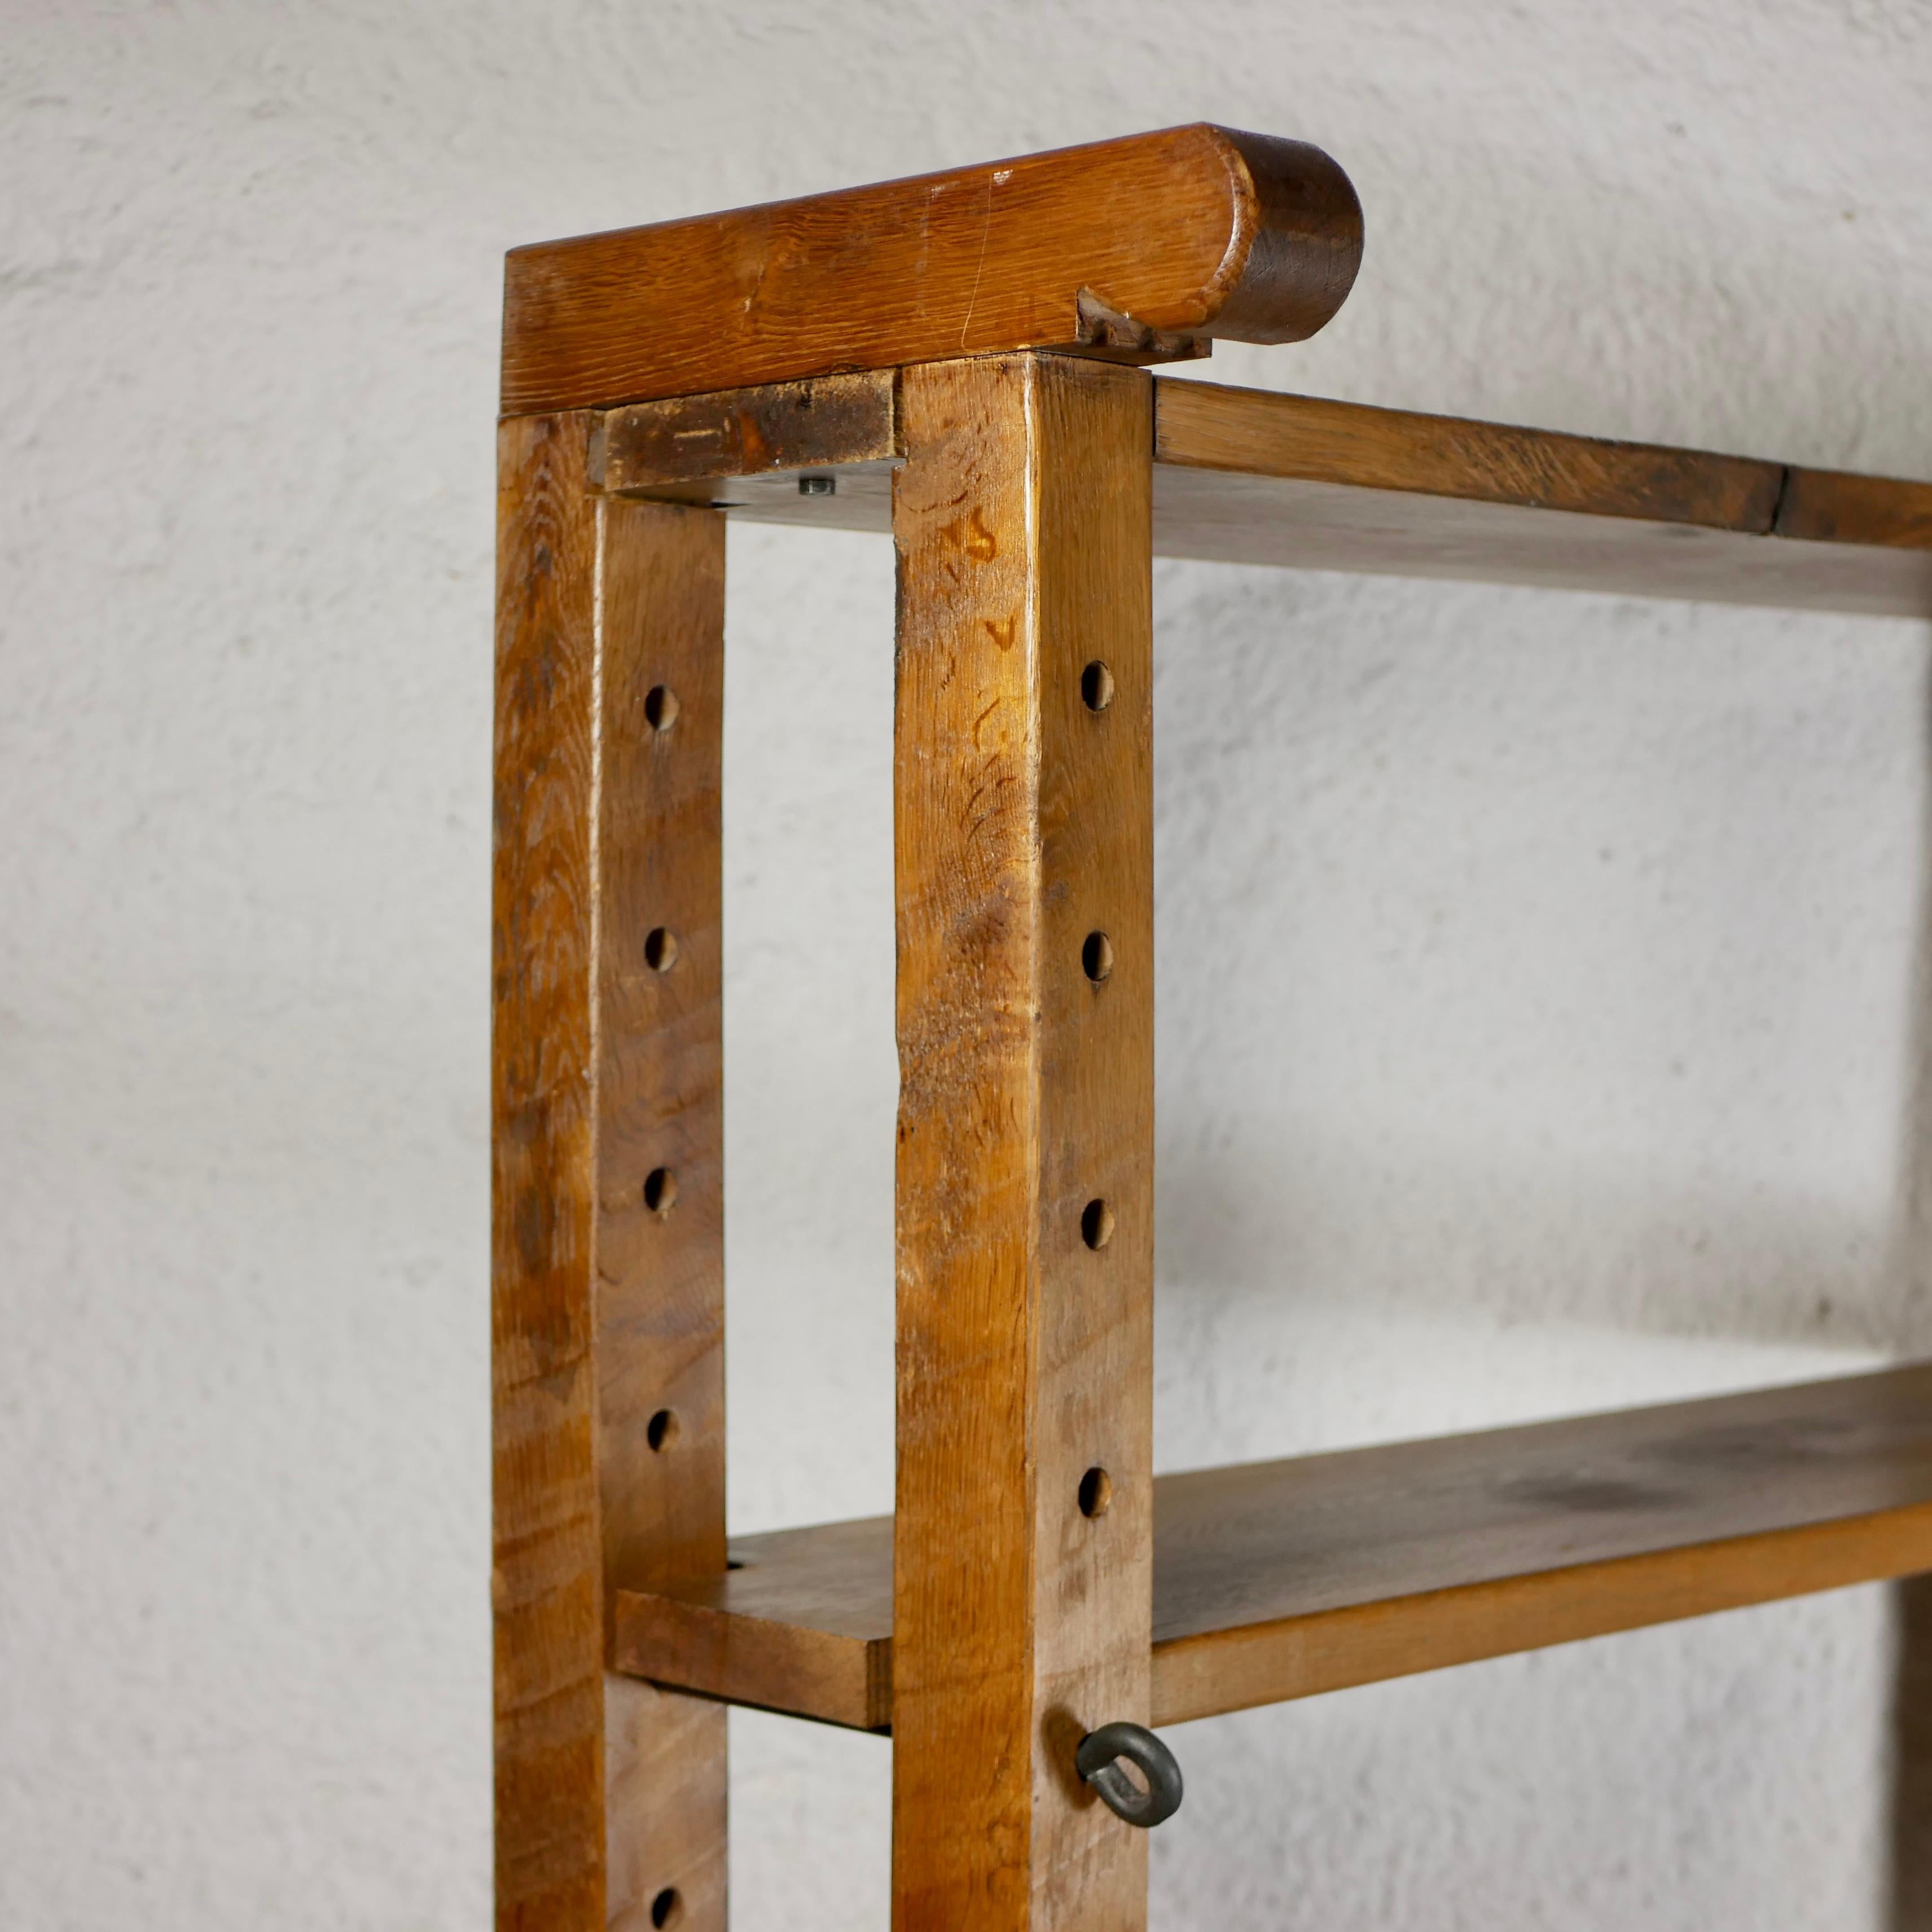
x=1838 y=506
x=1258 y=433
x=1143 y=249
x=1250 y=476
x=1278 y=1580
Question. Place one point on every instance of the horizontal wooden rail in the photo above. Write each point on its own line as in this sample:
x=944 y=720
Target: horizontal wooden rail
x=1279 y=1580
x=1142 y=249
x=1251 y=476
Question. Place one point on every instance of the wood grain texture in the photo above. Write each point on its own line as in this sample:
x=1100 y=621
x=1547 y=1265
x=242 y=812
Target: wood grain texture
x=1836 y=506
x=805 y=1626
x=1204 y=426
x=1225 y=517
x=660 y=1279
x=789 y=426
x=547 y=1578
x=608 y=1791
x=1277 y=1580
x=1133 y=247
x=1245 y=476
x=1024 y=823
x=1284 y=1579
x=1251 y=477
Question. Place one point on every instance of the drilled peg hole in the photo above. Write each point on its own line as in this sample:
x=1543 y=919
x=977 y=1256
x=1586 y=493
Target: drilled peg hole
x=1097 y=686
x=1096 y=1492
x=660 y=1431
x=1096 y=956
x=660 y=949
x=667 y=1908
x=660 y=1190
x=660 y=707
x=1097 y=1224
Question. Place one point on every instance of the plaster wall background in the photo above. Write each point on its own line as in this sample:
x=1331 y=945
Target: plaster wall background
x=1541 y=977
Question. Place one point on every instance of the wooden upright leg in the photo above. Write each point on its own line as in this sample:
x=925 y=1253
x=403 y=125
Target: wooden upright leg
x=607 y=1204
x=1022 y=1588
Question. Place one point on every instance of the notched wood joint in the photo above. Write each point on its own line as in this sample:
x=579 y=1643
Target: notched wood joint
x=678 y=445
x=1104 y=330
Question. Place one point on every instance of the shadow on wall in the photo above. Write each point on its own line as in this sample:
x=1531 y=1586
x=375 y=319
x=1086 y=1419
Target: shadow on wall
x=1911 y=1820
x=1555 y=969
x=1252 y=1213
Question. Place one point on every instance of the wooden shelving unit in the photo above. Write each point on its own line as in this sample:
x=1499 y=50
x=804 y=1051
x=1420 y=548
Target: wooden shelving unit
x=958 y=361
x=1275 y=1580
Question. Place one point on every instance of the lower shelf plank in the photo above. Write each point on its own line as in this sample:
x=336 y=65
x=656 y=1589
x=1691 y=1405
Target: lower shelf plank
x=1277 y=1580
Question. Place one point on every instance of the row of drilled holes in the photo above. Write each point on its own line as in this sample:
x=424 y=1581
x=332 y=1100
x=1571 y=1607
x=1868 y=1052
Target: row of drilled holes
x=661 y=710
x=660 y=1192
x=1097 y=961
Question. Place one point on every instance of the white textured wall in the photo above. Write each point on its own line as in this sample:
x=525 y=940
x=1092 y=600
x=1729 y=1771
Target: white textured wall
x=1539 y=975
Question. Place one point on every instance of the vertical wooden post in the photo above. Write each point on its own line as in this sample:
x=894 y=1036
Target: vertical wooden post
x=1022 y=518
x=607 y=1201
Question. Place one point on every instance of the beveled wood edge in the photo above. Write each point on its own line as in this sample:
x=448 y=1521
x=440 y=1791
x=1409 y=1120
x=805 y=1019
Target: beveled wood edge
x=754 y=1661
x=1293 y=244
x=1402 y=1636
x=734 y=1657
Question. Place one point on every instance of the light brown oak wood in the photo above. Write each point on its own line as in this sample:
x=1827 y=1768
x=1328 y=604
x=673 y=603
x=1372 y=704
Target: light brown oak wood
x=1278 y=1580
x=1024 y=825
x=1254 y=432
x=1248 y=476
x=952 y=358
x=1142 y=248
x=1837 y=506
x=606 y=1310
x=804 y=1626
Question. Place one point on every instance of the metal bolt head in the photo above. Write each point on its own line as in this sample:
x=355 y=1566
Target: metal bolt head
x=818 y=486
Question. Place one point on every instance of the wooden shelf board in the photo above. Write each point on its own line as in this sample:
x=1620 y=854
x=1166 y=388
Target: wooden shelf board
x=1278 y=1580
x=1250 y=476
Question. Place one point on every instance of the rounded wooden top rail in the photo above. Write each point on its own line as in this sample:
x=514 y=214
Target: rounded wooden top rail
x=1142 y=250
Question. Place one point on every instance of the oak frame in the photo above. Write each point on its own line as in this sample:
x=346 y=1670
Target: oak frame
x=607 y=1335
x=607 y=1201
x=999 y=420
x=1025 y=1324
